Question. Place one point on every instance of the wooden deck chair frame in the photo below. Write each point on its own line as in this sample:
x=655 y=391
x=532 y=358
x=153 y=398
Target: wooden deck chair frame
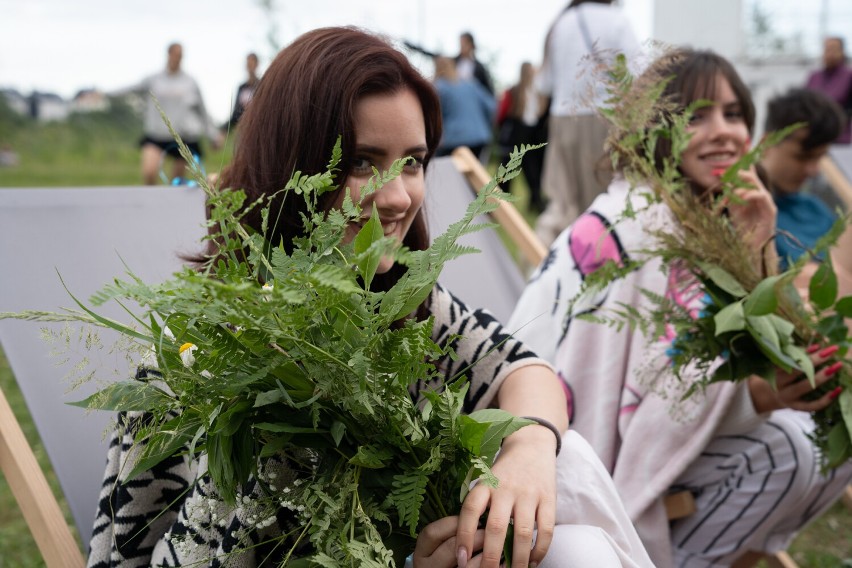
x=39 y=506
x=680 y=504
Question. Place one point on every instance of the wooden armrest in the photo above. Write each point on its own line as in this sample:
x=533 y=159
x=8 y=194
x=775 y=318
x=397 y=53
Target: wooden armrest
x=34 y=496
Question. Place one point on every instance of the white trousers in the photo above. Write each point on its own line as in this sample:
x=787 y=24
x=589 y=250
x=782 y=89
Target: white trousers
x=754 y=491
x=592 y=528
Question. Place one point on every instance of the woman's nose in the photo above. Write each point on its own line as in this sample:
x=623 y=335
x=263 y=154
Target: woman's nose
x=720 y=125
x=392 y=198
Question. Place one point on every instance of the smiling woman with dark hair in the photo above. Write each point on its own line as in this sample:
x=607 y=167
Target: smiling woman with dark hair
x=343 y=83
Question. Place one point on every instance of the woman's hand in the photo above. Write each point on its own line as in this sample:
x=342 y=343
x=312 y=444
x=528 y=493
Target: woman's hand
x=436 y=545
x=755 y=214
x=526 y=495
x=791 y=388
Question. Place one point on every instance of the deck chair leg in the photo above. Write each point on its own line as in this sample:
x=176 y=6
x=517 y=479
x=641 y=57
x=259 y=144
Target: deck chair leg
x=847 y=497
x=780 y=560
x=34 y=496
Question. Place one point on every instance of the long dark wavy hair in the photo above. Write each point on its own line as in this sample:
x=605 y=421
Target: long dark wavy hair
x=304 y=102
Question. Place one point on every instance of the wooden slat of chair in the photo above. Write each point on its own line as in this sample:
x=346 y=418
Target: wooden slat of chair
x=837 y=180
x=506 y=215
x=40 y=508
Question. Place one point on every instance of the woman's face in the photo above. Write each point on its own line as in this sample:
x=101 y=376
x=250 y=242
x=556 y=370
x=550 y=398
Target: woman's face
x=720 y=137
x=388 y=127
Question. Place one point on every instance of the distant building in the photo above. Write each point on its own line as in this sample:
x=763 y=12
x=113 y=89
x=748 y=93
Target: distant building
x=89 y=100
x=47 y=107
x=16 y=101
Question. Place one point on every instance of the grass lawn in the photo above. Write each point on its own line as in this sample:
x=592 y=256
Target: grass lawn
x=95 y=151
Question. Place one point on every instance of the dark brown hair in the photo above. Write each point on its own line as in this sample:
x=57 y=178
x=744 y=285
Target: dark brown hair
x=304 y=102
x=823 y=117
x=691 y=76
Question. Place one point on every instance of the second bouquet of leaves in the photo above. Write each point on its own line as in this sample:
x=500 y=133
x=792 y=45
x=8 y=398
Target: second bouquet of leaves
x=754 y=320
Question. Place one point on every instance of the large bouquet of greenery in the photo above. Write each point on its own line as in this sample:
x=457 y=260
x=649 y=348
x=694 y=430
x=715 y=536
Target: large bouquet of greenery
x=754 y=319
x=263 y=353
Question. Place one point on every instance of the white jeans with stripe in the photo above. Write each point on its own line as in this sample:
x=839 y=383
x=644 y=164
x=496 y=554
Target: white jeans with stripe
x=754 y=491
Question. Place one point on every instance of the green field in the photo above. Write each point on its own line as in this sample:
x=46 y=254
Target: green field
x=101 y=149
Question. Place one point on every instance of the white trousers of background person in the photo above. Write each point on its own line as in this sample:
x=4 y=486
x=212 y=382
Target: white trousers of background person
x=754 y=492
x=592 y=527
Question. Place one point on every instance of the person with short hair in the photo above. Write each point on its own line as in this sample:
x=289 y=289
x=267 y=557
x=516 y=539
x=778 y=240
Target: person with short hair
x=179 y=96
x=802 y=217
x=835 y=80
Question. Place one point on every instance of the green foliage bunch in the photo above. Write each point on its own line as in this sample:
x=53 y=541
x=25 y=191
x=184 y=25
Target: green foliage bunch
x=265 y=354
x=754 y=320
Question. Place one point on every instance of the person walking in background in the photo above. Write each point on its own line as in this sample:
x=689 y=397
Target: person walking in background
x=178 y=95
x=835 y=80
x=585 y=36
x=467 y=109
x=468 y=66
x=521 y=119
x=244 y=92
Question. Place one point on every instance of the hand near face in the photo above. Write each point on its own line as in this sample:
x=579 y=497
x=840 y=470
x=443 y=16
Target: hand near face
x=755 y=214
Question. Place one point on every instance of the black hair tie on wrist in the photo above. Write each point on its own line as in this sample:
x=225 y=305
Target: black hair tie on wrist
x=549 y=426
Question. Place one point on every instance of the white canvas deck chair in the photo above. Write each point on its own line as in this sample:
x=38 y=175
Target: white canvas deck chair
x=86 y=235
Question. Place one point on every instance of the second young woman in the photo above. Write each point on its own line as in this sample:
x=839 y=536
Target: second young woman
x=741 y=449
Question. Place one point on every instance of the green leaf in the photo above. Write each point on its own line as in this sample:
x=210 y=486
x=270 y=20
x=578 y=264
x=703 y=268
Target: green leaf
x=370 y=233
x=730 y=318
x=722 y=279
x=823 y=286
x=763 y=299
x=338 y=428
x=845 y=401
x=372 y=457
x=763 y=327
x=844 y=306
x=500 y=425
x=471 y=433
x=802 y=359
x=839 y=445
x=287 y=428
x=127 y=396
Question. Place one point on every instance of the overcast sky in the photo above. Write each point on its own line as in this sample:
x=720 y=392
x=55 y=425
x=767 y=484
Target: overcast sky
x=62 y=46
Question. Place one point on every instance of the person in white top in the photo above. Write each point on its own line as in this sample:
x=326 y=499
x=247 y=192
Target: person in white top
x=585 y=37
x=180 y=98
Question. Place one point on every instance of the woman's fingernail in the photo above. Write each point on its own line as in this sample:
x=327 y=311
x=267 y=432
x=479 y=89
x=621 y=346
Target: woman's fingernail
x=461 y=557
x=830 y=350
x=832 y=369
x=717 y=171
x=835 y=393
x=533 y=564
x=813 y=348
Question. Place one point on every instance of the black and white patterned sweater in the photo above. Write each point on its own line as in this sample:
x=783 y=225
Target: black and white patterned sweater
x=172 y=516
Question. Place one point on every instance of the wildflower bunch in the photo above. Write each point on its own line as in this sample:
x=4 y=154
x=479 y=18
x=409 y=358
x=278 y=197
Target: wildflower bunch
x=754 y=320
x=267 y=355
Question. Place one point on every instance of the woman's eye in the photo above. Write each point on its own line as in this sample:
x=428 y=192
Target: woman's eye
x=414 y=165
x=696 y=117
x=362 y=166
